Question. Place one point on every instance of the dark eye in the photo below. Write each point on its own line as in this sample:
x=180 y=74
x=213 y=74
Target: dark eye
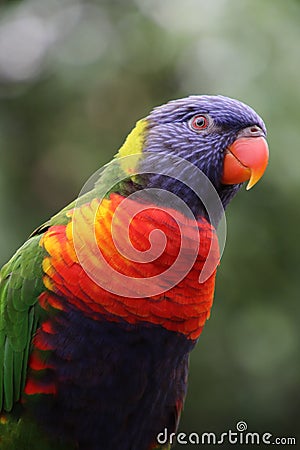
x=199 y=122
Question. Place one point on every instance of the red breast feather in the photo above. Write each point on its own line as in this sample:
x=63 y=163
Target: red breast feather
x=182 y=307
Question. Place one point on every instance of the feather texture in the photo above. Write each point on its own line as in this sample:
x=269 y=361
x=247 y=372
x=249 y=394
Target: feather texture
x=94 y=339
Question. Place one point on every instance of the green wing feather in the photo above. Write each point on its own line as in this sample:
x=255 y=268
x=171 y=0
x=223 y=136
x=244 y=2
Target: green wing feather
x=21 y=282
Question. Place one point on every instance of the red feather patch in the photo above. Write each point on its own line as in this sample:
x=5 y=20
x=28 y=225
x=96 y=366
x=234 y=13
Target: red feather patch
x=183 y=306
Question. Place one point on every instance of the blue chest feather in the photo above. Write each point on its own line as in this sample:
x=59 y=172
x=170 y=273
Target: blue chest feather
x=118 y=384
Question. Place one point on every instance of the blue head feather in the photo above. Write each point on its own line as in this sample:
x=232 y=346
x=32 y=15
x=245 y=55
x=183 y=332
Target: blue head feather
x=169 y=133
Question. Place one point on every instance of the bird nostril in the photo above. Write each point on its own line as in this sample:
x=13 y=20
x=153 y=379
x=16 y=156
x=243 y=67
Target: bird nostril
x=255 y=129
x=251 y=131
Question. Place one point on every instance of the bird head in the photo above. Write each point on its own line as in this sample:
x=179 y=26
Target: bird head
x=223 y=137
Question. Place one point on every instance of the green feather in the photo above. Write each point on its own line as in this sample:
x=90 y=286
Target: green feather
x=21 y=282
x=8 y=376
x=32 y=326
x=17 y=364
x=1 y=373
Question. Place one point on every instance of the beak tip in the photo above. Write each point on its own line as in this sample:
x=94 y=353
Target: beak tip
x=250 y=184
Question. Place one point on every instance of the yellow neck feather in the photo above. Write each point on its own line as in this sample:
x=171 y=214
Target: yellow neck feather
x=135 y=140
x=132 y=149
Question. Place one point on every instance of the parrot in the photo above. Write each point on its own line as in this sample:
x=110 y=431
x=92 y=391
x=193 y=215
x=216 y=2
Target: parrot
x=103 y=304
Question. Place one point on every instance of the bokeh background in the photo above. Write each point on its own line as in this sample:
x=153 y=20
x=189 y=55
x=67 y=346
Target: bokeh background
x=76 y=75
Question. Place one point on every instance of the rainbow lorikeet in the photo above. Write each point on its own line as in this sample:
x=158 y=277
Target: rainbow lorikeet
x=102 y=305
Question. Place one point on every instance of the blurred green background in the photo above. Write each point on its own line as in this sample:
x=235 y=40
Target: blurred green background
x=76 y=75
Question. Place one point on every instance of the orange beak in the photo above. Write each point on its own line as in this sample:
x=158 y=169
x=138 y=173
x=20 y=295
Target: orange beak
x=246 y=159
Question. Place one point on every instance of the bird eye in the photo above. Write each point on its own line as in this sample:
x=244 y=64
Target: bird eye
x=198 y=123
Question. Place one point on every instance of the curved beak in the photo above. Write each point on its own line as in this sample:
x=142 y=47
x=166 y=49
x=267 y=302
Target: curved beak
x=247 y=158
